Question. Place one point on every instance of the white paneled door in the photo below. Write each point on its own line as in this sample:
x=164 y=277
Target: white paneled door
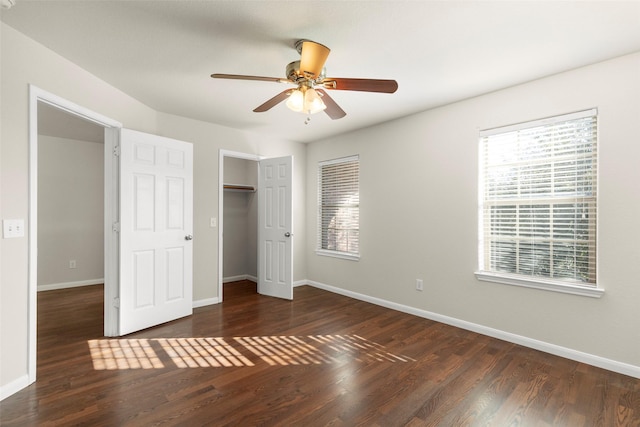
x=275 y=229
x=156 y=226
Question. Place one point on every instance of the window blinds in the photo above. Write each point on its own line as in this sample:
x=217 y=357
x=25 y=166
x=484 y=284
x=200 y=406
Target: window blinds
x=538 y=195
x=339 y=205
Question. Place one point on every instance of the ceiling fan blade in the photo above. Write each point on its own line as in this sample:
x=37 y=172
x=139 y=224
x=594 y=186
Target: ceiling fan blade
x=333 y=110
x=363 y=85
x=242 y=77
x=273 y=101
x=312 y=58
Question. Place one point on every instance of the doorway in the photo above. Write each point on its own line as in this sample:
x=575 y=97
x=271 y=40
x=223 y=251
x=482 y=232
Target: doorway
x=240 y=220
x=275 y=224
x=125 y=151
x=70 y=200
x=65 y=110
x=238 y=173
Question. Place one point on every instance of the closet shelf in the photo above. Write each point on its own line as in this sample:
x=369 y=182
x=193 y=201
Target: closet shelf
x=240 y=187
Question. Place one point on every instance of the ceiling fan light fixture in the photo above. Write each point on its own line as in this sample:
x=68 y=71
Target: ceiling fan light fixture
x=305 y=100
x=313 y=102
x=296 y=101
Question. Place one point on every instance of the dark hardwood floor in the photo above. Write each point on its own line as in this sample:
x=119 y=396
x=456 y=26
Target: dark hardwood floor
x=322 y=359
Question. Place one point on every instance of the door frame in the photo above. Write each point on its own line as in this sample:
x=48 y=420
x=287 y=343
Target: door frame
x=111 y=169
x=221 y=157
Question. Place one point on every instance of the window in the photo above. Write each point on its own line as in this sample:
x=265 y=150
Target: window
x=339 y=208
x=538 y=204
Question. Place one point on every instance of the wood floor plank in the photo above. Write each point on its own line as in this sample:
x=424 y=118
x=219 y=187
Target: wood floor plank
x=321 y=359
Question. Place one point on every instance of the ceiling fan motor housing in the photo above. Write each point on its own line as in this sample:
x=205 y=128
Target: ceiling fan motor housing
x=294 y=74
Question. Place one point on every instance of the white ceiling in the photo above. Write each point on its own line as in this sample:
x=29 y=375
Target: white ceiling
x=163 y=52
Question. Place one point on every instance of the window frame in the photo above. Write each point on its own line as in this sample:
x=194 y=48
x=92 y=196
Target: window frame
x=352 y=256
x=518 y=279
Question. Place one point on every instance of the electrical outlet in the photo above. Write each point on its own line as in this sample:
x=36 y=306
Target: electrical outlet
x=12 y=228
x=419 y=285
x=72 y=263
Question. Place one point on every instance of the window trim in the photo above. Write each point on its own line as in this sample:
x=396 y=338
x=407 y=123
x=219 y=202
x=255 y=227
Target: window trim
x=540 y=122
x=535 y=282
x=338 y=254
x=539 y=283
x=329 y=252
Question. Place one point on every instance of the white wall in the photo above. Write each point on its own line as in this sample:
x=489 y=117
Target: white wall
x=418 y=210
x=70 y=211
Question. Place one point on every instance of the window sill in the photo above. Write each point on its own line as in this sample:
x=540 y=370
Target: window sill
x=547 y=285
x=337 y=254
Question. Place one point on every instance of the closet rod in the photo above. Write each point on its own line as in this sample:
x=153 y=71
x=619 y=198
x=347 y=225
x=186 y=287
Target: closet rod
x=239 y=187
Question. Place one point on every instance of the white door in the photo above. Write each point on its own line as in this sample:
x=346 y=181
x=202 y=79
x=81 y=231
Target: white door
x=156 y=224
x=275 y=228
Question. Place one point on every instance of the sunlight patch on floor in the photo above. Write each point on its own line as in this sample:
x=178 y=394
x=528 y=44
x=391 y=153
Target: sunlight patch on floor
x=202 y=352
x=284 y=350
x=113 y=354
x=360 y=348
x=218 y=352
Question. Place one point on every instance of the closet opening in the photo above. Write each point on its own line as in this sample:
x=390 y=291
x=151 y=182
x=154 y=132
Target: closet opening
x=238 y=225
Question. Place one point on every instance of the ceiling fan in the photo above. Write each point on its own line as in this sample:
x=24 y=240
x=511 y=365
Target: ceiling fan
x=309 y=76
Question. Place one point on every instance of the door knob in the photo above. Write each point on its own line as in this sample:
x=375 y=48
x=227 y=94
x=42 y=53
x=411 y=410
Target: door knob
x=188 y=237
x=287 y=234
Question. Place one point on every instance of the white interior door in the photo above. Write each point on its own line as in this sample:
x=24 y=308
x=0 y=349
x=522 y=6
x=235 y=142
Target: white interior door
x=275 y=228
x=156 y=226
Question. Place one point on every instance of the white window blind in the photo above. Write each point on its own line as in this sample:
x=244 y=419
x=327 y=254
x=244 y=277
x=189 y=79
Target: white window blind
x=538 y=199
x=339 y=207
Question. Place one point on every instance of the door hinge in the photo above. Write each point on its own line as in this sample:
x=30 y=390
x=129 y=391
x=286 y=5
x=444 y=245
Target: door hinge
x=116 y=302
x=116 y=151
x=116 y=227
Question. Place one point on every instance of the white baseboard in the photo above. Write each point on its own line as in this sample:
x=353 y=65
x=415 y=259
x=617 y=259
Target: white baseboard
x=211 y=301
x=239 y=277
x=567 y=353
x=53 y=286
x=255 y=279
x=14 y=386
x=205 y=302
